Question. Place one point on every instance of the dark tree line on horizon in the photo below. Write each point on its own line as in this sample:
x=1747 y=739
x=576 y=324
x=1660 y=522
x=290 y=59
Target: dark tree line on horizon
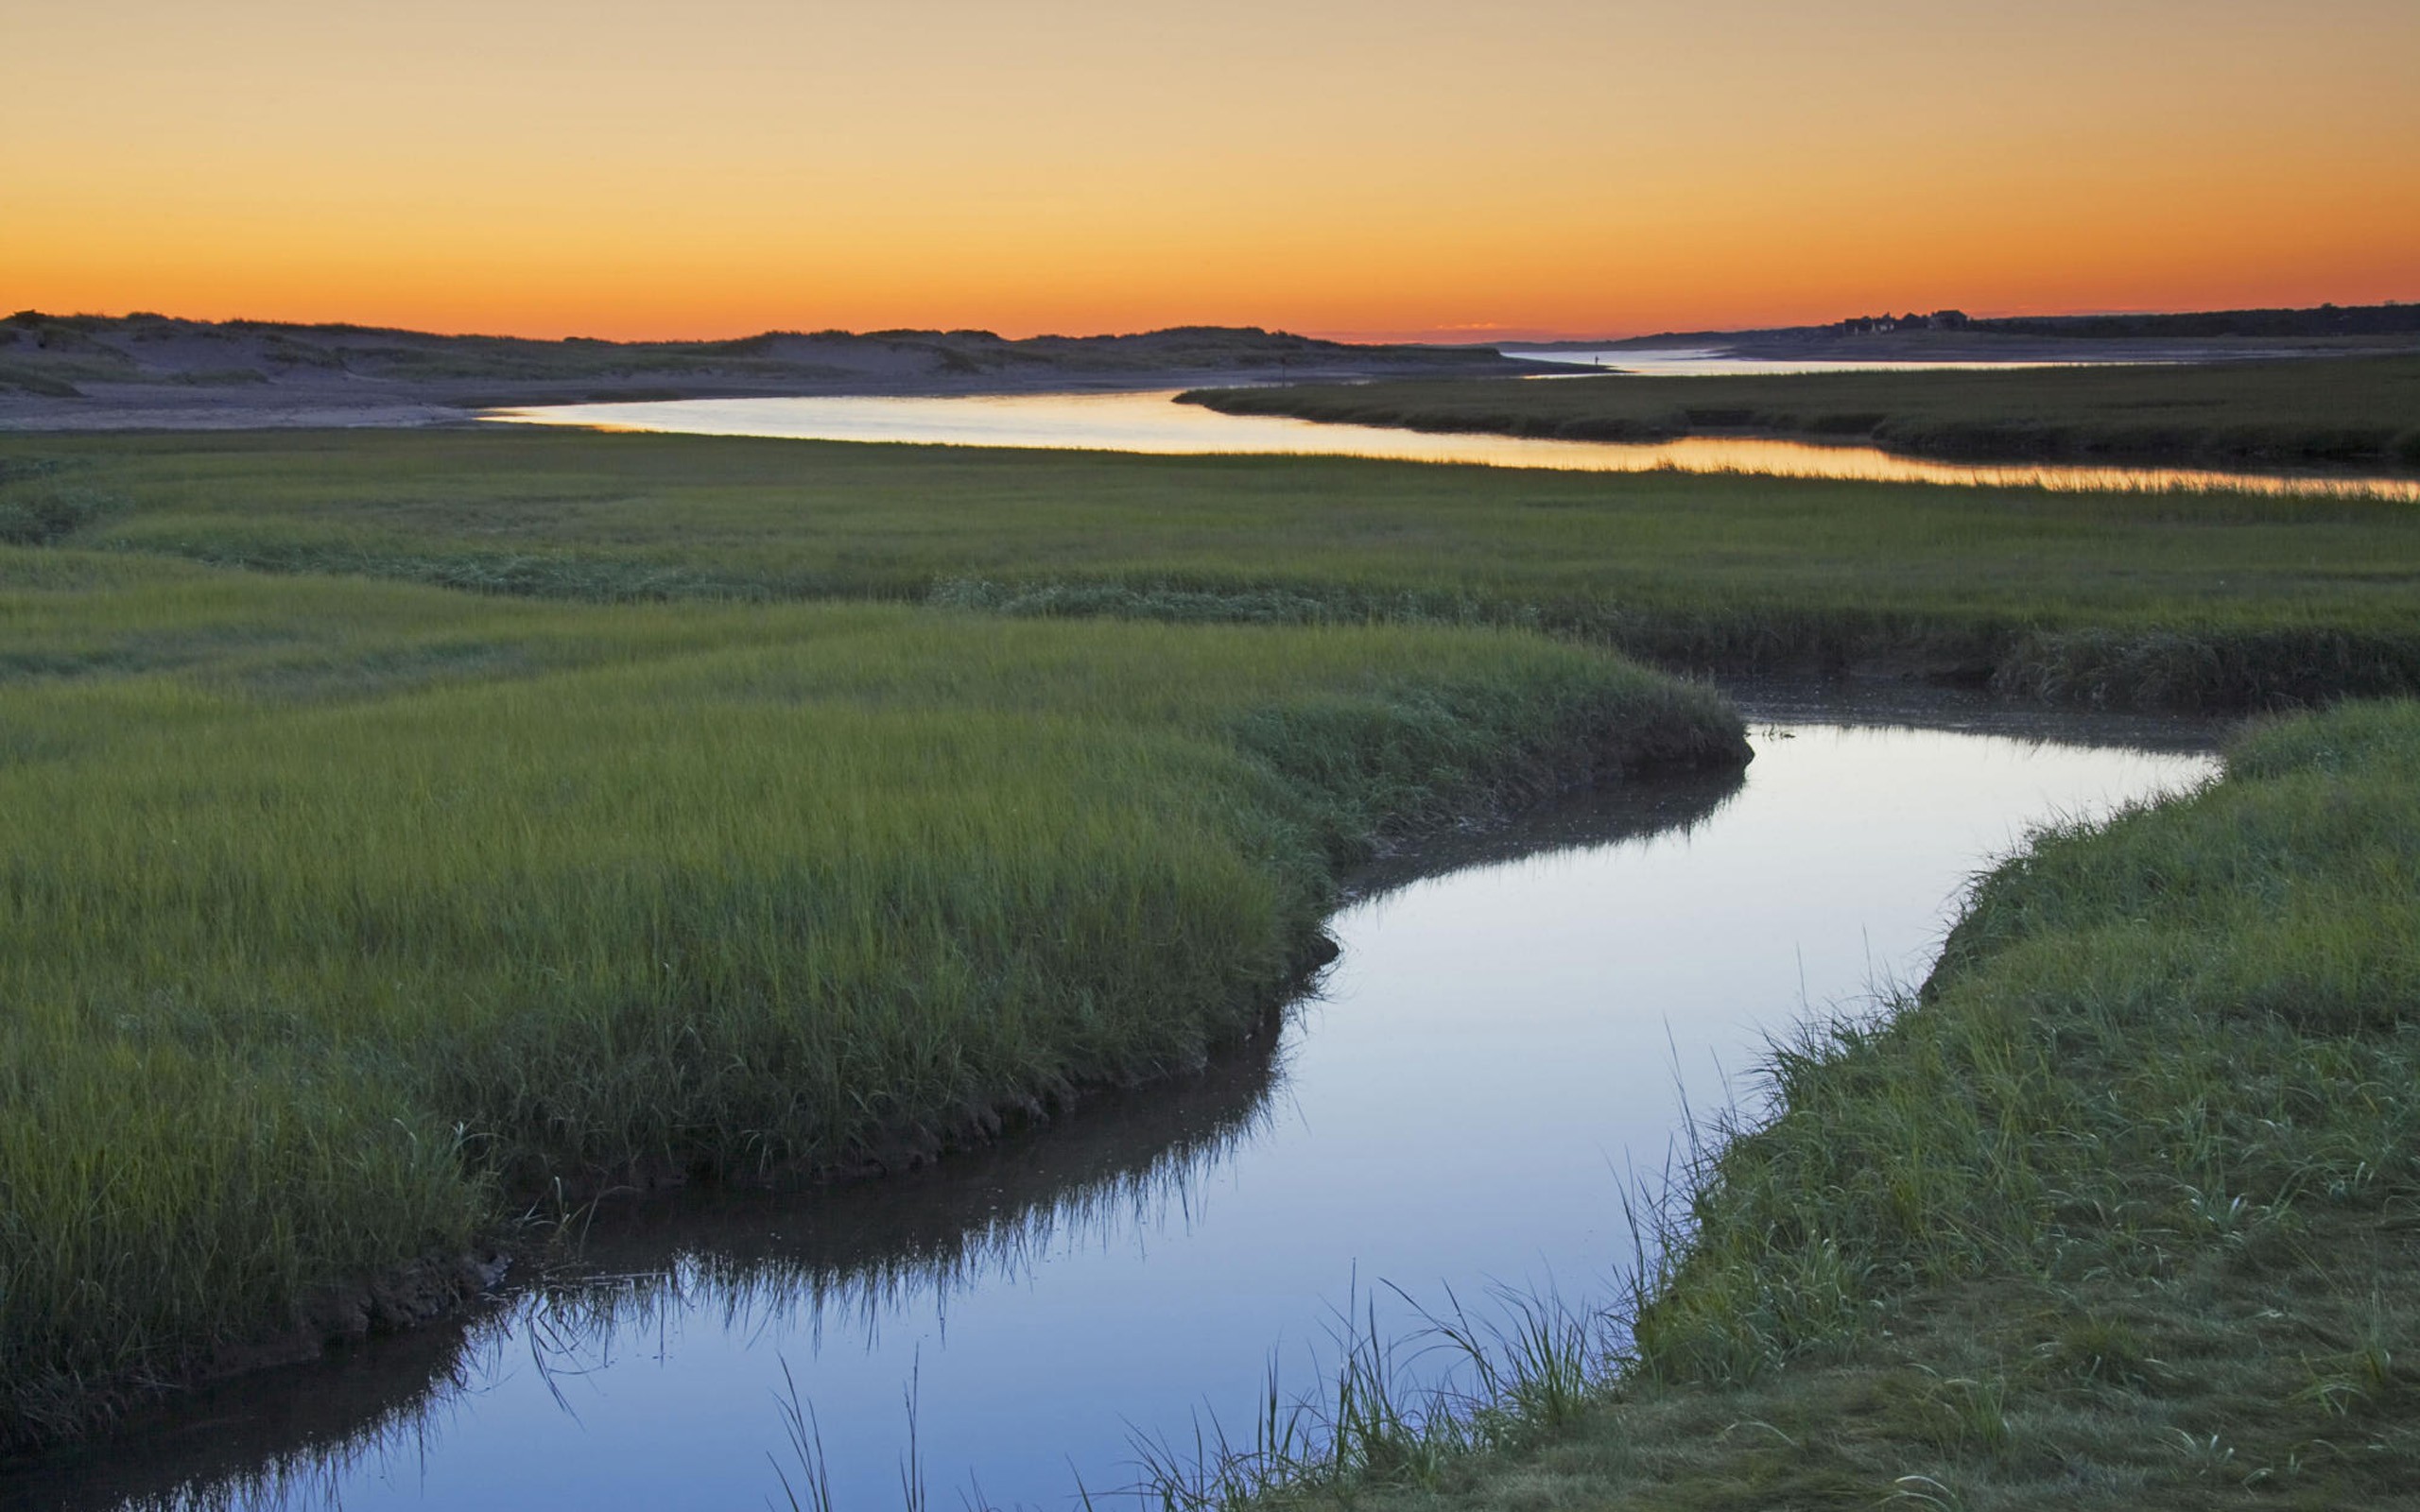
x=2391 y=318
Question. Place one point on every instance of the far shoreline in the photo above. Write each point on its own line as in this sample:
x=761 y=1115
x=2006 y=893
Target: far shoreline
x=2321 y=417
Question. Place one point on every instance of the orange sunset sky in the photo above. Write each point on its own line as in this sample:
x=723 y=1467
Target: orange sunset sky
x=1341 y=168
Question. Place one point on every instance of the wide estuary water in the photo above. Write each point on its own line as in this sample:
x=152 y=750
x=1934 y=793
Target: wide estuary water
x=1521 y=1024
x=1150 y=421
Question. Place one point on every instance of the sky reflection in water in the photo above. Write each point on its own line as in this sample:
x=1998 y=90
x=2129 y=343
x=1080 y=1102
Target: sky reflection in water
x=1148 y=421
x=1709 y=362
x=1495 y=1048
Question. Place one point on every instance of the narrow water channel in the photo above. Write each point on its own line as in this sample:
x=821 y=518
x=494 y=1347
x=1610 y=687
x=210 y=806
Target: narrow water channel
x=1714 y=362
x=1149 y=422
x=1515 y=1024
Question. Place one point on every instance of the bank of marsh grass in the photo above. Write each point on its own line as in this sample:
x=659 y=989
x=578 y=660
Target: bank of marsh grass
x=340 y=913
x=338 y=916
x=2356 y=410
x=2118 y=1212
x=2163 y=600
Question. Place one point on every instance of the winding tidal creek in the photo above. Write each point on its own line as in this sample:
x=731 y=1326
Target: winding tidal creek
x=1520 y=1028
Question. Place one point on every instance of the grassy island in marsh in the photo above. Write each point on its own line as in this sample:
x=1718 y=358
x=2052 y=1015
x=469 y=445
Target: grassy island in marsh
x=2360 y=411
x=2172 y=600
x=2116 y=1212
x=337 y=919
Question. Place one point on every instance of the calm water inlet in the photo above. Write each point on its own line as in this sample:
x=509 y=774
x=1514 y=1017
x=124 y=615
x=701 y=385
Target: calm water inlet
x=1510 y=1029
x=1710 y=362
x=1151 y=422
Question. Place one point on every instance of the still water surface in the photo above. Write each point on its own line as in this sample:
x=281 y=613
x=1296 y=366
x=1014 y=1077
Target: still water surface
x=1149 y=422
x=1709 y=362
x=1511 y=1027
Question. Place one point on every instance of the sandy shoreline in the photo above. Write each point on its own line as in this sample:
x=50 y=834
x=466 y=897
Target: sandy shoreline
x=150 y=372
x=89 y=373
x=334 y=406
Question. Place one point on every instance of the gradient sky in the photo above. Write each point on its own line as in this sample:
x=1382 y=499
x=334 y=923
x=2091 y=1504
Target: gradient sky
x=1339 y=167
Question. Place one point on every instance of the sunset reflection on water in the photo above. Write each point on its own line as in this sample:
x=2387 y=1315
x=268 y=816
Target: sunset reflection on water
x=1149 y=422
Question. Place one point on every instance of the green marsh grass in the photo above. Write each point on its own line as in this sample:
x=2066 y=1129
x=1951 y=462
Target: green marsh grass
x=2157 y=601
x=343 y=914
x=339 y=917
